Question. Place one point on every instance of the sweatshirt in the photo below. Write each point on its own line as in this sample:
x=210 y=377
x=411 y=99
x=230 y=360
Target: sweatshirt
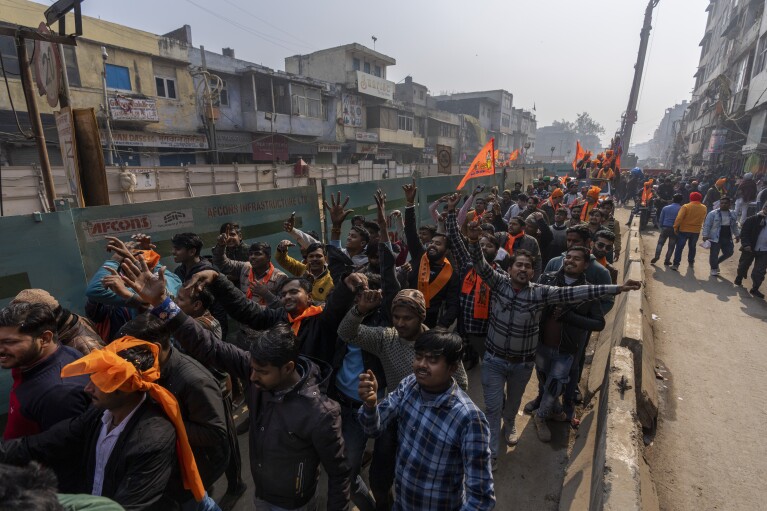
x=690 y=218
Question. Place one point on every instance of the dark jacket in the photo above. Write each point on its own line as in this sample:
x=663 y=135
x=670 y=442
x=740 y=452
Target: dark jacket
x=317 y=335
x=436 y=314
x=202 y=408
x=749 y=233
x=78 y=332
x=141 y=469
x=528 y=243
x=290 y=435
x=578 y=320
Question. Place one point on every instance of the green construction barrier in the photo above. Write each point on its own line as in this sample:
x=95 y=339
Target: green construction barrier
x=39 y=254
x=260 y=215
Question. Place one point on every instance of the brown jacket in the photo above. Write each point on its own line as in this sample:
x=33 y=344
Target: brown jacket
x=79 y=333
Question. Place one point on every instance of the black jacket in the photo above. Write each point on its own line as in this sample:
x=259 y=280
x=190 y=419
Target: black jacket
x=142 y=469
x=317 y=335
x=290 y=435
x=578 y=320
x=448 y=295
x=202 y=408
x=749 y=233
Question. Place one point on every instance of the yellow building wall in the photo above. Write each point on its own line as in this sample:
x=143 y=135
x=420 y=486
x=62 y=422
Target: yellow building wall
x=128 y=47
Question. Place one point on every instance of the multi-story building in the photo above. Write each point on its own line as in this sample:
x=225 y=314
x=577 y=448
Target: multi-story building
x=659 y=150
x=524 y=127
x=556 y=144
x=492 y=109
x=371 y=124
x=724 y=123
x=148 y=89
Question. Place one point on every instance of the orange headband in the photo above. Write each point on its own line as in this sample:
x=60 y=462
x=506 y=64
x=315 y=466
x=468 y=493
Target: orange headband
x=110 y=372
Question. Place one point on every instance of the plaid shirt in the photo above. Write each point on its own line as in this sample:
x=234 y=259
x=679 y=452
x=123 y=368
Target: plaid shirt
x=467 y=324
x=443 y=457
x=515 y=314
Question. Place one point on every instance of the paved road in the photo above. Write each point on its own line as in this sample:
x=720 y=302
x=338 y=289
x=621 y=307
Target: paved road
x=711 y=345
x=529 y=477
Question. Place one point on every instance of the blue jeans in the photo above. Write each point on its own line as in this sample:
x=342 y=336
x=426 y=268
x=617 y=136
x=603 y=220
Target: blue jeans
x=666 y=233
x=499 y=375
x=554 y=373
x=355 y=441
x=726 y=246
x=689 y=238
x=206 y=504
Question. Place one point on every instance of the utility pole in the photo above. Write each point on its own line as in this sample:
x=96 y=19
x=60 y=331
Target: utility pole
x=34 y=119
x=630 y=117
x=208 y=114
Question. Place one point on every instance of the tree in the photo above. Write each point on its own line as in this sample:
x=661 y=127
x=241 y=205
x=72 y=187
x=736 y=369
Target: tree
x=564 y=125
x=585 y=125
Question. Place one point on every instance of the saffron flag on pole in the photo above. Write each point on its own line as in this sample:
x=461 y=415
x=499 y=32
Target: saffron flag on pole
x=579 y=154
x=483 y=164
x=514 y=155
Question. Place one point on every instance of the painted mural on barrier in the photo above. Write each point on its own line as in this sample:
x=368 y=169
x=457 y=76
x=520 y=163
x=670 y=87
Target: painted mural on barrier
x=260 y=215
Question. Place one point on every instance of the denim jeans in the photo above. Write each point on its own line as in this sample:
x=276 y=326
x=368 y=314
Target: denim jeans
x=355 y=441
x=667 y=233
x=499 y=375
x=726 y=246
x=555 y=367
x=383 y=466
x=689 y=238
x=206 y=504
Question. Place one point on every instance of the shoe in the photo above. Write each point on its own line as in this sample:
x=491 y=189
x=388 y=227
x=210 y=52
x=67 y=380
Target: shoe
x=675 y=267
x=738 y=281
x=654 y=260
x=757 y=294
x=542 y=428
x=714 y=273
x=510 y=435
x=691 y=263
x=666 y=263
x=493 y=464
x=560 y=417
x=532 y=405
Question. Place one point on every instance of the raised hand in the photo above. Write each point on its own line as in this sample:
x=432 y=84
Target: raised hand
x=474 y=231
x=114 y=283
x=290 y=223
x=368 y=389
x=148 y=286
x=201 y=279
x=144 y=241
x=283 y=246
x=453 y=200
x=118 y=249
x=410 y=193
x=356 y=282
x=380 y=198
x=369 y=300
x=336 y=210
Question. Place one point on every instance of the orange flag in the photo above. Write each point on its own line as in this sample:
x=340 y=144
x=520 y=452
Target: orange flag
x=579 y=154
x=483 y=164
x=514 y=155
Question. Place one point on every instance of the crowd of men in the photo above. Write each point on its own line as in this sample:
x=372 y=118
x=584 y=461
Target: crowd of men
x=348 y=352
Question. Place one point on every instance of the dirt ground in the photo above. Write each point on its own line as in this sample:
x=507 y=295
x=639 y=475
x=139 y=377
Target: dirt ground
x=710 y=340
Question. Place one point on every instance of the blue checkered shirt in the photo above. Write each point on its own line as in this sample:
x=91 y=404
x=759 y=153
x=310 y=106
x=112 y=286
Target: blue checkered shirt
x=443 y=457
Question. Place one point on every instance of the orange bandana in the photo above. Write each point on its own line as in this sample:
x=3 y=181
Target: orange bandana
x=295 y=323
x=110 y=372
x=430 y=289
x=252 y=280
x=509 y=247
x=473 y=283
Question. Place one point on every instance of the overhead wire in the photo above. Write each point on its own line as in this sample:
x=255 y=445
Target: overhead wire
x=292 y=35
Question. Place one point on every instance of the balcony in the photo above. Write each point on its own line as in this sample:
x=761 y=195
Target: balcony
x=744 y=42
x=398 y=137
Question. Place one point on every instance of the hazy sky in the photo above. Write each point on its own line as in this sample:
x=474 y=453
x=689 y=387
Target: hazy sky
x=564 y=56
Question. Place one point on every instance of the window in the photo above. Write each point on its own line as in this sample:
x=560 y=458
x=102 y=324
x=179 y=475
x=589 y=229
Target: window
x=405 y=122
x=367 y=67
x=166 y=87
x=741 y=74
x=70 y=59
x=506 y=101
x=10 y=57
x=421 y=94
x=761 y=55
x=306 y=101
x=378 y=71
x=505 y=120
x=118 y=77
x=223 y=93
x=356 y=64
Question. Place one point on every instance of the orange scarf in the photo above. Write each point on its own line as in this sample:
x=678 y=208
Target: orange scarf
x=431 y=289
x=587 y=208
x=110 y=372
x=473 y=282
x=603 y=261
x=252 y=280
x=295 y=323
x=509 y=247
